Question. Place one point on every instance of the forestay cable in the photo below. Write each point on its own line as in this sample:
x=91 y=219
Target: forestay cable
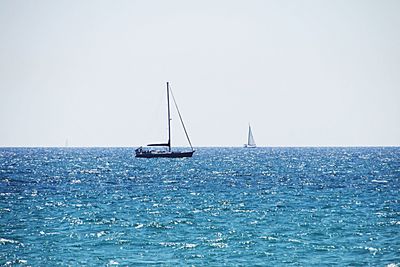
x=180 y=117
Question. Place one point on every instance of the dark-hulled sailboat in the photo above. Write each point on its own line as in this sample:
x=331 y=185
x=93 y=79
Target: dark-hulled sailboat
x=164 y=150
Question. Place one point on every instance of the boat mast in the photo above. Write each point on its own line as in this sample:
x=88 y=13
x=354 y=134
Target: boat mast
x=169 y=120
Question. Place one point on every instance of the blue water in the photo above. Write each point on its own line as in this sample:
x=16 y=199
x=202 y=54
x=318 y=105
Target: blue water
x=224 y=206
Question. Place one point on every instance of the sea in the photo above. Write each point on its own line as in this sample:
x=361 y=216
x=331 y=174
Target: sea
x=222 y=207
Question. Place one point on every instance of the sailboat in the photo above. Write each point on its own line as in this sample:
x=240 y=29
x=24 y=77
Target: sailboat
x=164 y=150
x=250 y=140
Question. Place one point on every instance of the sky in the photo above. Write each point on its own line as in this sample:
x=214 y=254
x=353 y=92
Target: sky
x=301 y=72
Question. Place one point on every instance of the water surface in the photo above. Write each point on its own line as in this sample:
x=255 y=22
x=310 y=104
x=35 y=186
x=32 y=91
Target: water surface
x=224 y=206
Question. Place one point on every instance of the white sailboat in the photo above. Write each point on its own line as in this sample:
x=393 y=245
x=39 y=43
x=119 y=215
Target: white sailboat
x=250 y=140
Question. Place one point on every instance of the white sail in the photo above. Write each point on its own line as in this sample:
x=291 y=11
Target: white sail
x=250 y=140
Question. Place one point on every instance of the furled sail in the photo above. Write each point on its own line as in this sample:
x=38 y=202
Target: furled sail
x=163 y=144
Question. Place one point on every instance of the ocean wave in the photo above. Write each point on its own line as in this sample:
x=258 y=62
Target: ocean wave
x=5 y=241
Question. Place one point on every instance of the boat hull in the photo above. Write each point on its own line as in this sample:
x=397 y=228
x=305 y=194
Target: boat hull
x=164 y=154
x=249 y=146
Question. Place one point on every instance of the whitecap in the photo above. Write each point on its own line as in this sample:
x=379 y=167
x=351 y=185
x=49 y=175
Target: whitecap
x=170 y=181
x=139 y=225
x=101 y=233
x=372 y=250
x=168 y=244
x=379 y=181
x=14 y=262
x=219 y=245
x=4 y=241
x=189 y=245
x=113 y=262
x=75 y=221
x=243 y=211
x=196 y=211
x=197 y=256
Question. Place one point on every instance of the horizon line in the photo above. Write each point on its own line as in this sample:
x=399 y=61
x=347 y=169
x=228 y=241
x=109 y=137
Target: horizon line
x=274 y=146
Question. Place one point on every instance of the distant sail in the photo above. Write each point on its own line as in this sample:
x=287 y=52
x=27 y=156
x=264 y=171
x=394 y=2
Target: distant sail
x=250 y=139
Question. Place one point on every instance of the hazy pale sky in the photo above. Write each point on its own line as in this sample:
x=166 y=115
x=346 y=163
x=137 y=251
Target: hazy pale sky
x=303 y=73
